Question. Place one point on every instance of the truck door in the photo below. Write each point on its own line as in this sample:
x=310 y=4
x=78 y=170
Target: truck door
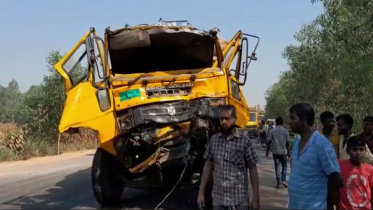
x=237 y=76
x=86 y=57
x=89 y=99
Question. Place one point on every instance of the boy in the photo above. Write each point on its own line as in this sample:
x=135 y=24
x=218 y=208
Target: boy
x=357 y=177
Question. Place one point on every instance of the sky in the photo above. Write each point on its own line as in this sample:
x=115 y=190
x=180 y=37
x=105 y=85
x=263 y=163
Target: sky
x=30 y=29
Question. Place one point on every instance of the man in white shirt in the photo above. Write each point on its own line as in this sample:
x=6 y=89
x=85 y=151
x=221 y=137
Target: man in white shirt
x=264 y=134
x=344 y=125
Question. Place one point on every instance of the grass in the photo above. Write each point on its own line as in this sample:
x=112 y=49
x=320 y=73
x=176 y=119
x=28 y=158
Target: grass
x=39 y=148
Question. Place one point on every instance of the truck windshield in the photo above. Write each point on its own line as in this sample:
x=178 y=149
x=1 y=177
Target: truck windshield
x=252 y=116
x=76 y=65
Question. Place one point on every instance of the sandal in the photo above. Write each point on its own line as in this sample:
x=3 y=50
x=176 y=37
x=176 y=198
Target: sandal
x=285 y=184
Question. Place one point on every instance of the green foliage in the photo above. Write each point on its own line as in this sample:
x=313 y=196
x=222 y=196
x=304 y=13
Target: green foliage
x=11 y=100
x=331 y=68
x=40 y=108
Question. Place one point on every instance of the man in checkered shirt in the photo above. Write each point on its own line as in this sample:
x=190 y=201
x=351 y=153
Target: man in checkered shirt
x=228 y=156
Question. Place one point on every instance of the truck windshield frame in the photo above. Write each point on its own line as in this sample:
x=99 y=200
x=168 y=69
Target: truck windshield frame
x=165 y=49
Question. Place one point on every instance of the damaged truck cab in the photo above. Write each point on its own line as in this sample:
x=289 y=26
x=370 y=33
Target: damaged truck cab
x=152 y=94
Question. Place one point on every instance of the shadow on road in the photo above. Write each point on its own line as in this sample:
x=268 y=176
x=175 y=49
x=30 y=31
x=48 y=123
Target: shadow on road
x=75 y=192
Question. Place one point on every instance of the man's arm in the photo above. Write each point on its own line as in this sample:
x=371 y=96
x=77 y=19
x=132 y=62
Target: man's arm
x=288 y=144
x=371 y=184
x=252 y=159
x=329 y=162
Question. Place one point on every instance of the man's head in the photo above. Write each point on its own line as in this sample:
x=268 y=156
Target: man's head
x=227 y=118
x=263 y=122
x=344 y=123
x=279 y=121
x=327 y=120
x=270 y=123
x=302 y=116
x=356 y=149
x=368 y=124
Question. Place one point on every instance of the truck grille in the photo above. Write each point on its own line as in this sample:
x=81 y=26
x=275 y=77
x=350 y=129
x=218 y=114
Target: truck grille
x=169 y=92
x=168 y=112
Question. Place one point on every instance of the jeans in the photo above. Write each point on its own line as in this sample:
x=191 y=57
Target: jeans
x=280 y=159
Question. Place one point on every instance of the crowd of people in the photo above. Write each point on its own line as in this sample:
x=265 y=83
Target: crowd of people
x=331 y=168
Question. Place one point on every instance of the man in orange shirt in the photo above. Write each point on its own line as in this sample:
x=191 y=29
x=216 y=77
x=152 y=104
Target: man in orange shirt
x=328 y=122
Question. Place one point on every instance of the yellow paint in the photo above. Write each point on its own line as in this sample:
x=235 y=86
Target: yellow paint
x=82 y=109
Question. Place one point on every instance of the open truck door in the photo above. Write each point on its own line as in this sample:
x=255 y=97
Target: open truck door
x=89 y=99
x=238 y=49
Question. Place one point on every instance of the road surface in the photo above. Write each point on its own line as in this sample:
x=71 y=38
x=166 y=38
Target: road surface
x=63 y=182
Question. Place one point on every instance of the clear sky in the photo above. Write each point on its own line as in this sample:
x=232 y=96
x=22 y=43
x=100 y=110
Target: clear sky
x=31 y=28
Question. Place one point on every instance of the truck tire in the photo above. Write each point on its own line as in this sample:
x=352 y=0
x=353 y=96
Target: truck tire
x=106 y=184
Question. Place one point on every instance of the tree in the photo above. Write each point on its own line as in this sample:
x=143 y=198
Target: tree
x=331 y=68
x=11 y=99
x=44 y=103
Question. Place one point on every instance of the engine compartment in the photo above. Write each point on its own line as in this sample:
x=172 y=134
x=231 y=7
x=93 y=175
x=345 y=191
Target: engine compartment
x=158 y=140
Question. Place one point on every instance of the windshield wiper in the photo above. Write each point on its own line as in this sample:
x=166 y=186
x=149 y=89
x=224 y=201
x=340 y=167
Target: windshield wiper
x=137 y=78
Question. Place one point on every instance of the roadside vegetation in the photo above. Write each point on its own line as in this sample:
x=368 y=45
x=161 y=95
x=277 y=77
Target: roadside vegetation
x=332 y=65
x=29 y=121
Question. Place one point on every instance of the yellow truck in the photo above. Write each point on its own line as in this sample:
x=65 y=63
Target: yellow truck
x=254 y=117
x=253 y=124
x=152 y=95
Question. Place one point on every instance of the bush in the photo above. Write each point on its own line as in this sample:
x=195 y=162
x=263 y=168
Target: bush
x=15 y=147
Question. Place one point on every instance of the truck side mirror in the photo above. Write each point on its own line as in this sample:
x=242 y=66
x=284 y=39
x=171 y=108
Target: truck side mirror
x=245 y=58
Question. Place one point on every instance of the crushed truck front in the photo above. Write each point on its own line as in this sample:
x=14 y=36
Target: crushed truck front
x=153 y=93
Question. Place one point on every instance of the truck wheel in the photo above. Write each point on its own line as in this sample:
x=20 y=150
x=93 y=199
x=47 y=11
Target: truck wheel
x=106 y=184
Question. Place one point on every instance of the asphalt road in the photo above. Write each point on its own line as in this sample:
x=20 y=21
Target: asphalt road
x=63 y=182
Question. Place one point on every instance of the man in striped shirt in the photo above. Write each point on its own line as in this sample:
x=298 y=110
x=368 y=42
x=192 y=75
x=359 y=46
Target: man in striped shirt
x=315 y=168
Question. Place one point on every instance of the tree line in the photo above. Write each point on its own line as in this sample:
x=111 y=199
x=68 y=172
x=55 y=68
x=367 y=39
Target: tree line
x=331 y=67
x=39 y=109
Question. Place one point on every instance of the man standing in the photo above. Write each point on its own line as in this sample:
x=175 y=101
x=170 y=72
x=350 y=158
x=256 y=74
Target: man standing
x=230 y=155
x=315 y=168
x=367 y=134
x=328 y=122
x=279 y=142
x=263 y=133
x=344 y=125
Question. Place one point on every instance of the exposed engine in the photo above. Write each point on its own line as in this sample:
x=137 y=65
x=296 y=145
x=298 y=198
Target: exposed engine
x=164 y=137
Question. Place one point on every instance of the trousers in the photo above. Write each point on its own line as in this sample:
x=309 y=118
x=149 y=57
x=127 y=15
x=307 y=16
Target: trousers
x=280 y=160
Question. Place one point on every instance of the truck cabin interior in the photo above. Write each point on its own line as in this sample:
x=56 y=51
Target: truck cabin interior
x=160 y=49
